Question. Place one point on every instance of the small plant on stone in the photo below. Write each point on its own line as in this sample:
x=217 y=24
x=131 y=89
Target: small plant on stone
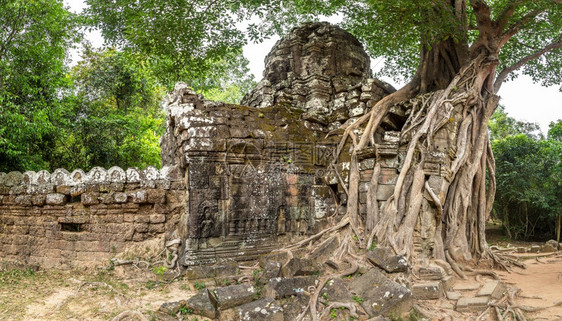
x=226 y=283
x=334 y=313
x=358 y=299
x=185 y=310
x=325 y=296
x=199 y=286
x=159 y=270
x=373 y=246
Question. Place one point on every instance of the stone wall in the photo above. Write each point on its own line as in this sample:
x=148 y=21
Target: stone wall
x=237 y=180
x=256 y=176
x=82 y=219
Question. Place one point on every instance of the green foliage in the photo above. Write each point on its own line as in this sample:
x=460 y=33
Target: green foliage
x=114 y=117
x=34 y=38
x=194 y=42
x=159 y=270
x=502 y=126
x=199 y=286
x=185 y=310
x=358 y=299
x=529 y=184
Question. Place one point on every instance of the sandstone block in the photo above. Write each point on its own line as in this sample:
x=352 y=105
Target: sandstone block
x=64 y=189
x=261 y=310
x=235 y=295
x=381 y=295
x=283 y=287
x=90 y=198
x=157 y=218
x=427 y=290
x=120 y=197
x=386 y=260
x=272 y=270
x=465 y=304
x=156 y=196
x=299 y=267
x=55 y=199
x=494 y=289
x=452 y=295
x=139 y=196
x=203 y=303
x=171 y=308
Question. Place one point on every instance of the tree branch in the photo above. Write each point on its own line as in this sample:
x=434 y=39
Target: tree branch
x=518 y=25
x=482 y=12
x=507 y=70
x=507 y=12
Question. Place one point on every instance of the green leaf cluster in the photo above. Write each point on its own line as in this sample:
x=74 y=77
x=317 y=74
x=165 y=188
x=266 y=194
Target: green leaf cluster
x=34 y=38
x=529 y=182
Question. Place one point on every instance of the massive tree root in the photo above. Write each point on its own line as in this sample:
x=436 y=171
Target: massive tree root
x=460 y=197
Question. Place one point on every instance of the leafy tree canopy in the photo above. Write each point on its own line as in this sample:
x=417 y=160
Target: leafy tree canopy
x=116 y=97
x=188 y=35
x=34 y=39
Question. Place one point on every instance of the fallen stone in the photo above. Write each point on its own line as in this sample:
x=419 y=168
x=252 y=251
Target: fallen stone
x=283 y=287
x=295 y=306
x=467 y=287
x=465 y=304
x=520 y=250
x=271 y=270
x=548 y=248
x=380 y=295
x=276 y=257
x=300 y=267
x=325 y=250
x=431 y=272
x=553 y=244
x=235 y=295
x=171 y=308
x=261 y=310
x=386 y=260
x=427 y=290
x=494 y=289
x=453 y=295
x=336 y=290
x=535 y=248
x=203 y=303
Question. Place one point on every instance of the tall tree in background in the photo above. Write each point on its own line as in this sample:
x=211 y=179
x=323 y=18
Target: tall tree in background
x=34 y=38
x=456 y=54
x=192 y=41
x=529 y=184
x=114 y=117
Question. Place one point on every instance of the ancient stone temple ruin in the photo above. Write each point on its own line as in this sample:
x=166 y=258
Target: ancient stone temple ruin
x=236 y=180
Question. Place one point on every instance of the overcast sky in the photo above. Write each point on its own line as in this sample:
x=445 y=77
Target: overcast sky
x=522 y=99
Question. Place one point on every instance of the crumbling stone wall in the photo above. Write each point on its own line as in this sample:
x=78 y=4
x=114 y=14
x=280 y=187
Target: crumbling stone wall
x=255 y=176
x=82 y=219
x=237 y=180
x=322 y=70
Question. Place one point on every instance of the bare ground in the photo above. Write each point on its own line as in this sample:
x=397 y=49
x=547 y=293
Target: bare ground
x=102 y=294
x=85 y=295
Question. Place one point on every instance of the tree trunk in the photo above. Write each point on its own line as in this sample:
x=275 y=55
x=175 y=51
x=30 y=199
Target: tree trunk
x=558 y=230
x=459 y=198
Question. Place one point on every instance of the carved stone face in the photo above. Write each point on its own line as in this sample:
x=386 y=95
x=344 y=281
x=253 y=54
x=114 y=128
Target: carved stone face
x=317 y=49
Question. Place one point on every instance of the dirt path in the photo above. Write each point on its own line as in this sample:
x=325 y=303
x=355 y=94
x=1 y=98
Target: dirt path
x=541 y=283
x=87 y=295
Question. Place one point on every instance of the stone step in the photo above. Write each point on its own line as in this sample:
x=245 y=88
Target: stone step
x=465 y=304
x=494 y=289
